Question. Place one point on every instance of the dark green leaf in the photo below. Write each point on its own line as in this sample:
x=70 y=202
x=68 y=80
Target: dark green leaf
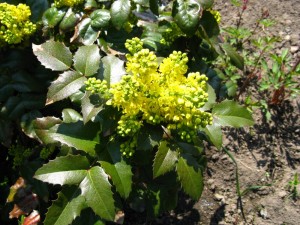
x=87 y=60
x=117 y=169
x=70 y=116
x=211 y=98
x=230 y=113
x=235 y=58
x=120 y=11
x=186 y=14
x=165 y=159
x=69 y=21
x=69 y=169
x=97 y=191
x=190 y=176
x=27 y=123
x=209 y=26
x=86 y=32
x=37 y=8
x=53 y=55
x=6 y=133
x=154 y=5
x=100 y=18
x=66 y=208
x=52 y=17
x=214 y=134
x=78 y=135
x=90 y=107
x=113 y=69
x=88 y=217
x=65 y=85
x=149 y=137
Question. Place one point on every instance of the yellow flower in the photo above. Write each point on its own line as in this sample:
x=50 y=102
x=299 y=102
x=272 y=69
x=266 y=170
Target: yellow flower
x=69 y=3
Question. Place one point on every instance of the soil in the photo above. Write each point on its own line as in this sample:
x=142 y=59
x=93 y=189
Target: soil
x=267 y=154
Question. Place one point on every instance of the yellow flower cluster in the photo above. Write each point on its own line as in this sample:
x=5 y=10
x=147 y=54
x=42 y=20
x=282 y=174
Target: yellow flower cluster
x=216 y=14
x=160 y=94
x=69 y=3
x=14 y=23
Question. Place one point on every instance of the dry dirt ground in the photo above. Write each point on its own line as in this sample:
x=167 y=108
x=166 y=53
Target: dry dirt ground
x=267 y=155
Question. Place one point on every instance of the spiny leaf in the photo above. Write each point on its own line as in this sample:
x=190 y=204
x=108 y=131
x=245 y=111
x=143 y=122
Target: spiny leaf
x=70 y=116
x=117 y=168
x=65 y=85
x=91 y=105
x=113 y=69
x=230 y=113
x=165 y=159
x=66 y=208
x=86 y=32
x=190 y=176
x=69 y=169
x=87 y=60
x=97 y=191
x=53 y=55
x=214 y=133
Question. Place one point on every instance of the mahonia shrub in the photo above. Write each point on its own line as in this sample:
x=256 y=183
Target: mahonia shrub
x=123 y=116
x=15 y=24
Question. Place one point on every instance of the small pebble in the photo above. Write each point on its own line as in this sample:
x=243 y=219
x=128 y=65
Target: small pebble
x=294 y=49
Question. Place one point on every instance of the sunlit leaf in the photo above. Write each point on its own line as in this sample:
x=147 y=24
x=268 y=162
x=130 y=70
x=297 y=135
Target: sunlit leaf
x=120 y=10
x=113 y=69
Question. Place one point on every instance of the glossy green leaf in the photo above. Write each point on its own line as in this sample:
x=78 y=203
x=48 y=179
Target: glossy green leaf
x=165 y=159
x=91 y=105
x=69 y=169
x=113 y=69
x=87 y=60
x=98 y=194
x=78 y=135
x=69 y=21
x=214 y=133
x=235 y=58
x=190 y=176
x=70 y=116
x=100 y=18
x=149 y=137
x=120 y=11
x=211 y=98
x=186 y=14
x=66 y=208
x=119 y=171
x=90 y=4
x=230 y=113
x=65 y=85
x=27 y=123
x=53 y=55
x=86 y=32
x=52 y=17
x=209 y=26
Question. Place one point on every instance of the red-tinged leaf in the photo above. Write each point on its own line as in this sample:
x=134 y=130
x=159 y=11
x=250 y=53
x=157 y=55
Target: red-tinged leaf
x=24 y=206
x=13 y=189
x=33 y=218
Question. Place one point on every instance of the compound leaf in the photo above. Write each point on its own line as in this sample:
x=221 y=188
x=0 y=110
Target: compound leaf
x=53 y=55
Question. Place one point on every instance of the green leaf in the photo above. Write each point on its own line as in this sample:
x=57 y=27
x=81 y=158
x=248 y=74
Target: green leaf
x=66 y=208
x=52 y=17
x=214 y=133
x=53 y=55
x=190 y=176
x=78 y=135
x=100 y=18
x=37 y=8
x=27 y=123
x=186 y=15
x=235 y=58
x=113 y=69
x=97 y=191
x=65 y=85
x=86 y=32
x=69 y=21
x=69 y=169
x=209 y=26
x=120 y=11
x=70 y=116
x=87 y=60
x=165 y=159
x=6 y=133
x=154 y=5
x=149 y=137
x=91 y=105
x=206 y=4
x=117 y=168
x=211 y=98
x=230 y=113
